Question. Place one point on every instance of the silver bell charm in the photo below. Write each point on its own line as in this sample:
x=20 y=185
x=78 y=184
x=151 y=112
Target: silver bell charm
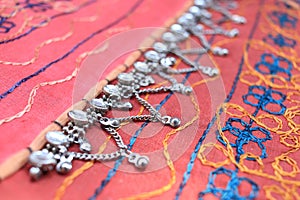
x=239 y=19
x=140 y=162
x=174 y=122
x=41 y=161
x=85 y=146
x=220 y=51
x=233 y=33
x=168 y=62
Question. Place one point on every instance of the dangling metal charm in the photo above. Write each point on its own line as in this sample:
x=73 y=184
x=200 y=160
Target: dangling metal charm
x=42 y=162
x=140 y=162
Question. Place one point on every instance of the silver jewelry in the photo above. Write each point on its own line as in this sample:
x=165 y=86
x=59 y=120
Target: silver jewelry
x=158 y=61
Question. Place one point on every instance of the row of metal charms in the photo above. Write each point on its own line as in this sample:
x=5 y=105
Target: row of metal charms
x=158 y=61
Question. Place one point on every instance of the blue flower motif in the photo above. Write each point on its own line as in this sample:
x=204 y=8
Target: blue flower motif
x=231 y=191
x=284 y=20
x=264 y=98
x=5 y=25
x=281 y=40
x=244 y=136
x=274 y=67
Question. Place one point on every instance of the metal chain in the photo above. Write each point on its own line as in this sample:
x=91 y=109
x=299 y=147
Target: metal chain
x=136 y=118
x=118 y=139
x=97 y=157
x=148 y=106
x=185 y=59
x=155 y=90
x=182 y=71
x=194 y=51
x=171 y=79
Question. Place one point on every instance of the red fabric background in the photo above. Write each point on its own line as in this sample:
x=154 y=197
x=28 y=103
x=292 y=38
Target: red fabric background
x=51 y=101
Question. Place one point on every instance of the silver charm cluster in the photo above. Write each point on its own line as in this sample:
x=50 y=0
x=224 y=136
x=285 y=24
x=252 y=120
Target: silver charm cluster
x=158 y=61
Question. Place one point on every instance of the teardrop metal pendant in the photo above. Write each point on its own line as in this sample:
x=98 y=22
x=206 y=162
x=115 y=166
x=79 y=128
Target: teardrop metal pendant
x=57 y=138
x=99 y=104
x=79 y=117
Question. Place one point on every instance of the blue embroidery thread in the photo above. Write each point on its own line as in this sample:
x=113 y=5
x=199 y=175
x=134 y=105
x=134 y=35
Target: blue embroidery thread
x=5 y=25
x=274 y=68
x=281 y=40
x=231 y=190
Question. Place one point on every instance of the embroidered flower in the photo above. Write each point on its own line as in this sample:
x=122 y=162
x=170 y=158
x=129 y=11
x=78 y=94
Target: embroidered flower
x=230 y=191
x=264 y=98
x=245 y=135
x=279 y=66
x=280 y=40
x=284 y=20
